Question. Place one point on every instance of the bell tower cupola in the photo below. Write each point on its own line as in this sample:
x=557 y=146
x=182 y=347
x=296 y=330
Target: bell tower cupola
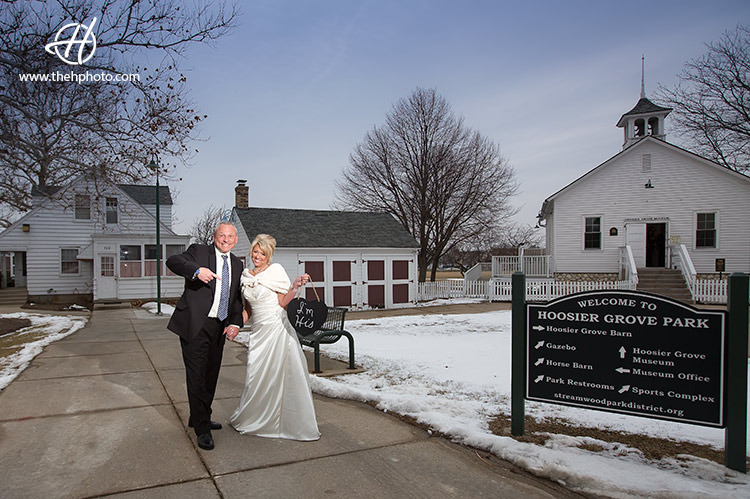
x=646 y=118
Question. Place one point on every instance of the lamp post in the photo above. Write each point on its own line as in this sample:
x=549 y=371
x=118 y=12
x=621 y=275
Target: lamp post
x=154 y=166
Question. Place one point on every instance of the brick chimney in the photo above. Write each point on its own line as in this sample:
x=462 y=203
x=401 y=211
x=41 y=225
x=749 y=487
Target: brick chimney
x=241 y=194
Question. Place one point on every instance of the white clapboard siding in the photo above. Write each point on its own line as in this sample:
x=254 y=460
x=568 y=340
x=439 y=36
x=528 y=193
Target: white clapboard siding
x=165 y=213
x=145 y=287
x=683 y=185
x=52 y=227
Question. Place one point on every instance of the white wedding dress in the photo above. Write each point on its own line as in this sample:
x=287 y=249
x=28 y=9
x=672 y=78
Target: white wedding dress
x=277 y=399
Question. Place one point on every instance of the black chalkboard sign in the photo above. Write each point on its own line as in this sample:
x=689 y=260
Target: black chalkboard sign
x=306 y=316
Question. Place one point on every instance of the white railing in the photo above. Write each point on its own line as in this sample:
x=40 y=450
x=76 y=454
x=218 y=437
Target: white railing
x=682 y=258
x=501 y=289
x=548 y=289
x=710 y=291
x=628 y=270
x=531 y=265
x=505 y=266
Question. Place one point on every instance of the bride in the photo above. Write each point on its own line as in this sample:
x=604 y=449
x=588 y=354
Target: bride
x=277 y=399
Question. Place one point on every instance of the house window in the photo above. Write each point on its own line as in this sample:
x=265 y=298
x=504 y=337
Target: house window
x=83 y=207
x=592 y=235
x=149 y=259
x=130 y=261
x=176 y=249
x=705 y=230
x=111 y=205
x=69 y=264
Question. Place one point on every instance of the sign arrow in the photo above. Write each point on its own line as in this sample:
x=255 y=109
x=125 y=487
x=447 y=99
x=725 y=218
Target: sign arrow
x=622 y=370
x=539 y=345
x=539 y=378
x=624 y=389
x=539 y=361
x=539 y=328
x=622 y=352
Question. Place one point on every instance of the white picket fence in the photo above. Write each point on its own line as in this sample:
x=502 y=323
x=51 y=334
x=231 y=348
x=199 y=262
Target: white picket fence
x=706 y=290
x=710 y=291
x=501 y=290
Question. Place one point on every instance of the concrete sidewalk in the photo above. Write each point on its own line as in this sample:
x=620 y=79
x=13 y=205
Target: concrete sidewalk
x=104 y=412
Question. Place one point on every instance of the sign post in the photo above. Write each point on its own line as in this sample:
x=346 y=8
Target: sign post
x=735 y=435
x=518 y=355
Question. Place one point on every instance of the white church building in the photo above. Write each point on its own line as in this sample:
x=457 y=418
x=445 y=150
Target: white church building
x=653 y=204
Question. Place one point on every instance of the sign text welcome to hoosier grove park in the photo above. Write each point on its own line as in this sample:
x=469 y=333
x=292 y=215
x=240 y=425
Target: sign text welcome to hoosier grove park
x=628 y=352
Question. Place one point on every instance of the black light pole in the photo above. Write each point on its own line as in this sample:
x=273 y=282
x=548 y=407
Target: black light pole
x=154 y=166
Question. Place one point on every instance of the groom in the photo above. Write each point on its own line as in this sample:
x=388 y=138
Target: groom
x=210 y=309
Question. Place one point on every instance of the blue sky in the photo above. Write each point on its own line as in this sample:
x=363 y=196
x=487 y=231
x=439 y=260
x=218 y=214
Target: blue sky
x=297 y=84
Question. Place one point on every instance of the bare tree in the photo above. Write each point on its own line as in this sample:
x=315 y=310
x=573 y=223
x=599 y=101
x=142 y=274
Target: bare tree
x=52 y=131
x=504 y=240
x=441 y=180
x=711 y=101
x=517 y=235
x=204 y=226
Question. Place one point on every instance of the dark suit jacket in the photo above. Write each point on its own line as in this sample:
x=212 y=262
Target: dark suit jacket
x=192 y=309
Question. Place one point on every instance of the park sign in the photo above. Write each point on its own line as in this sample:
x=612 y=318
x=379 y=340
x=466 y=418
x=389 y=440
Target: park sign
x=628 y=352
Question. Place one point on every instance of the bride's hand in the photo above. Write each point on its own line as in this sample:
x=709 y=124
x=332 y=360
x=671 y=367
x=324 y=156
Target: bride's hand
x=300 y=281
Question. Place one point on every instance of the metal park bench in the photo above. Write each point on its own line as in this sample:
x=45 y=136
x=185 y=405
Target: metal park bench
x=330 y=332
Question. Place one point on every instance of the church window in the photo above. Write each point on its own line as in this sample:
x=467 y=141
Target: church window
x=592 y=234
x=646 y=167
x=705 y=230
x=653 y=126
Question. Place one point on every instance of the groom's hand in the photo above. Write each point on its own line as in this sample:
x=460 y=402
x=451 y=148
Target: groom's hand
x=231 y=332
x=206 y=275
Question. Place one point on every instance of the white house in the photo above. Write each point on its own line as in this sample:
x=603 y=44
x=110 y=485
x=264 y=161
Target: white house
x=355 y=259
x=94 y=239
x=663 y=203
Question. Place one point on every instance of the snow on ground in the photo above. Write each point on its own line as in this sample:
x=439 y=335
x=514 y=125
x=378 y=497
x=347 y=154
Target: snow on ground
x=152 y=308
x=452 y=372
x=44 y=329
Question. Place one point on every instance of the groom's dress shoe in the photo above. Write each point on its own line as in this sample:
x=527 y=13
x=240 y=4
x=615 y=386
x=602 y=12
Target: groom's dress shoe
x=215 y=425
x=206 y=441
